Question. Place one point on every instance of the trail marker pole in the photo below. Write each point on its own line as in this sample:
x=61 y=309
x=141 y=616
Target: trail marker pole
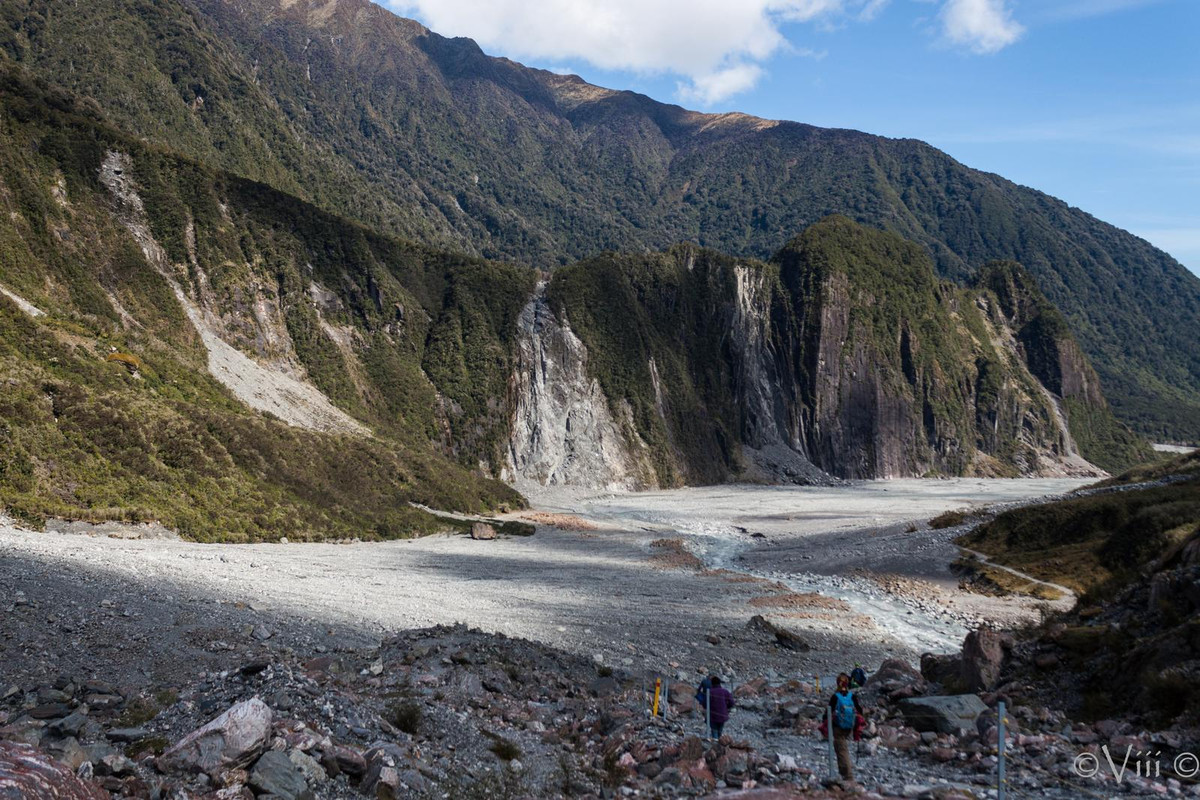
x=1001 y=780
x=708 y=714
x=657 y=692
x=833 y=769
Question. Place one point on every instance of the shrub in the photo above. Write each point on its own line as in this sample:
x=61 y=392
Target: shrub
x=505 y=749
x=405 y=717
x=950 y=519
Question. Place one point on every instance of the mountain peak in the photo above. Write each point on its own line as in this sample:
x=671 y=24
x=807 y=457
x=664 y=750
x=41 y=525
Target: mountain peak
x=379 y=119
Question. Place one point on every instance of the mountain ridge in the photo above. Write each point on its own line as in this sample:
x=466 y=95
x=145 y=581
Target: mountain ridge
x=173 y=273
x=376 y=118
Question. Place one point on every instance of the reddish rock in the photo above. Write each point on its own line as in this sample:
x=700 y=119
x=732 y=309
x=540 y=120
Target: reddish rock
x=700 y=775
x=27 y=774
x=983 y=655
x=943 y=754
x=337 y=759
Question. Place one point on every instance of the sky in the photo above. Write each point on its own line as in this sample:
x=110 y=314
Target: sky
x=1096 y=102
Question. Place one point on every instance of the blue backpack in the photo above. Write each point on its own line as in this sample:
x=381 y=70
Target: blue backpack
x=702 y=692
x=843 y=711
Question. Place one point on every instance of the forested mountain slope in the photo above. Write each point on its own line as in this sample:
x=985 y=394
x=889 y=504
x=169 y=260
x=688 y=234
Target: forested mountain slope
x=374 y=117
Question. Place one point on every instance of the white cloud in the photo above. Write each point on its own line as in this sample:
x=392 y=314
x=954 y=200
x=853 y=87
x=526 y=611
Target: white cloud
x=725 y=82
x=716 y=46
x=984 y=26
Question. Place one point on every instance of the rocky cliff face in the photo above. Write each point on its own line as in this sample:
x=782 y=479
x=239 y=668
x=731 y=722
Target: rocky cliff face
x=378 y=119
x=908 y=376
x=845 y=356
x=1040 y=335
x=563 y=431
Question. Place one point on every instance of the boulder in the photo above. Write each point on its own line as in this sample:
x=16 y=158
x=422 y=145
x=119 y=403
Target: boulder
x=943 y=669
x=382 y=781
x=983 y=655
x=276 y=775
x=481 y=530
x=309 y=767
x=337 y=759
x=26 y=773
x=783 y=637
x=944 y=714
x=234 y=739
x=894 y=670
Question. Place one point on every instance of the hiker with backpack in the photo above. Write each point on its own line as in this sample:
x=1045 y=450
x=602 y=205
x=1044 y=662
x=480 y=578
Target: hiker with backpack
x=716 y=701
x=848 y=721
x=858 y=677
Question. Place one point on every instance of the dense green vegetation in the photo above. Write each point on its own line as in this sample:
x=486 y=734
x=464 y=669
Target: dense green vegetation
x=1131 y=644
x=374 y=118
x=108 y=410
x=885 y=368
x=676 y=309
x=1098 y=543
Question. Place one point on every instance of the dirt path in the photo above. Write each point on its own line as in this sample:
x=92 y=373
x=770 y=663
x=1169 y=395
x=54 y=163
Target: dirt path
x=1068 y=594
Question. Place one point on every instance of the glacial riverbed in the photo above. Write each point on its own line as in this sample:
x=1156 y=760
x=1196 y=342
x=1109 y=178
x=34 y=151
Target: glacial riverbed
x=664 y=580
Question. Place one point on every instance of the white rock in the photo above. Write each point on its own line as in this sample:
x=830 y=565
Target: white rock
x=232 y=740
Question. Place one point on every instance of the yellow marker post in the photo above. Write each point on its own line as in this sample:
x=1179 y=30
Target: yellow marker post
x=817 y=679
x=657 y=692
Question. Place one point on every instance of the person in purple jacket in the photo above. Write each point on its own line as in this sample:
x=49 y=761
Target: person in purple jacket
x=720 y=703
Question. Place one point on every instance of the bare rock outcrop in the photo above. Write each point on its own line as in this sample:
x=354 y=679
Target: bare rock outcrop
x=563 y=431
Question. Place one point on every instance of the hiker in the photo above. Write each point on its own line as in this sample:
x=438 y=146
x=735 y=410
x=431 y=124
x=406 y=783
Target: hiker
x=846 y=713
x=858 y=677
x=717 y=701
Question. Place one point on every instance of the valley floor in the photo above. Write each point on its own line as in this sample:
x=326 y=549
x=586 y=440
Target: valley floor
x=664 y=581
x=651 y=583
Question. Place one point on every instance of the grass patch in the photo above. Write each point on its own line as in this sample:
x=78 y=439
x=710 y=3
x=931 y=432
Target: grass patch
x=504 y=749
x=405 y=717
x=948 y=519
x=138 y=711
x=1091 y=544
x=988 y=580
x=151 y=744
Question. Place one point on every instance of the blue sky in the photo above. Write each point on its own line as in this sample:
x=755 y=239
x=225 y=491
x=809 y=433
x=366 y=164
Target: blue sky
x=1094 y=101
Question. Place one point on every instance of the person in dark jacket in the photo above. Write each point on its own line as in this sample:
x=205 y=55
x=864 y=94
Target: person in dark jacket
x=720 y=703
x=858 y=677
x=845 y=711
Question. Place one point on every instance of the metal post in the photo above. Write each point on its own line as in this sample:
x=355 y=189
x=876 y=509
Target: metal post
x=708 y=713
x=667 y=697
x=1001 y=780
x=833 y=767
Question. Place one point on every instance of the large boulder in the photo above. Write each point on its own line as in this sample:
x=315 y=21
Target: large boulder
x=481 y=530
x=231 y=741
x=894 y=670
x=943 y=714
x=983 y=655
x=946 y=670
x=275 y=774
x=26 y=774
